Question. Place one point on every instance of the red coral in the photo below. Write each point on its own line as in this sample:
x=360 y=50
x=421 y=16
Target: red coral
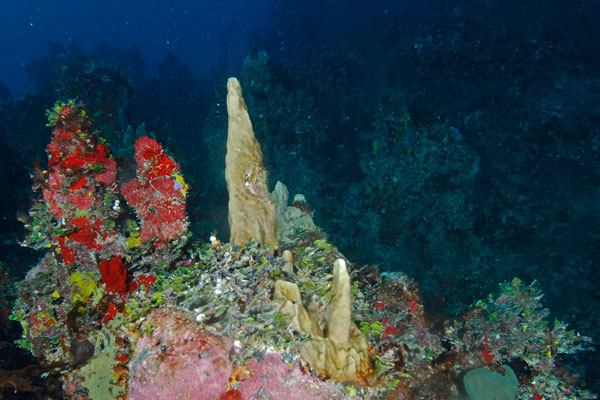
x=391 y=330
x=122 y=359
x=485 y=353
x=152 y=160
x=110 y=313
x=114 y=275
x=80 y=201
x=52 y=200
x=79 y=155
x=156 y=194
x=55 y=180
x=232 y=394
x=109 y=176
x=487 y=356
x=86 y=232
x=147 y=281
x=412 y=305
x=79 y=184
x=81 y=178
x=68 y=255
x=380 y=306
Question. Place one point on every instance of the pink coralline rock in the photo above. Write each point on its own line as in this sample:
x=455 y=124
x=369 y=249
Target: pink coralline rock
x=179 y=360
x=273 y=378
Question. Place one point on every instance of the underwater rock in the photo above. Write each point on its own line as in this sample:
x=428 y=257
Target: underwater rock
x=82 y=290
x=343 y=353
x=292 y=221
x=251 y=211
x=81 y=352
x=483 y=384
x=179 y=359
x=273 y=378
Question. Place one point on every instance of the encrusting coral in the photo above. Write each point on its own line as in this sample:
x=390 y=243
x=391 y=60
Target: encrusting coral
x=251 y=212
x=179 y=356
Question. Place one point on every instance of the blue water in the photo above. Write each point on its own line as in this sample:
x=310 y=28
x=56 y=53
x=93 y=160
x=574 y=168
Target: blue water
x=199 y=32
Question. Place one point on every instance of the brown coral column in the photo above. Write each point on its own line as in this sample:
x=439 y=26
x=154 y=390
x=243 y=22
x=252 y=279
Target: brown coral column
x=251 y=211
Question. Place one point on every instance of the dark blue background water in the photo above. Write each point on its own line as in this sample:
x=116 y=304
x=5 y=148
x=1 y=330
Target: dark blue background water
x=206 y=35
x=201 y=33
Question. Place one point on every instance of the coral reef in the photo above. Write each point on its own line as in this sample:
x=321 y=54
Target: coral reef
x=512 y=326
x=530 y=115
x=251 y=212
x=181 y=358
x=154 y=315
x=73 y=299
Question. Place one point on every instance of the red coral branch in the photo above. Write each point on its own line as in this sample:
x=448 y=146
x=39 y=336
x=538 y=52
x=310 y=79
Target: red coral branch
x=158 y=193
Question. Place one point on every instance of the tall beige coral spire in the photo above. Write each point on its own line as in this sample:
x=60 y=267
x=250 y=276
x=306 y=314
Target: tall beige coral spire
x=251 y=212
